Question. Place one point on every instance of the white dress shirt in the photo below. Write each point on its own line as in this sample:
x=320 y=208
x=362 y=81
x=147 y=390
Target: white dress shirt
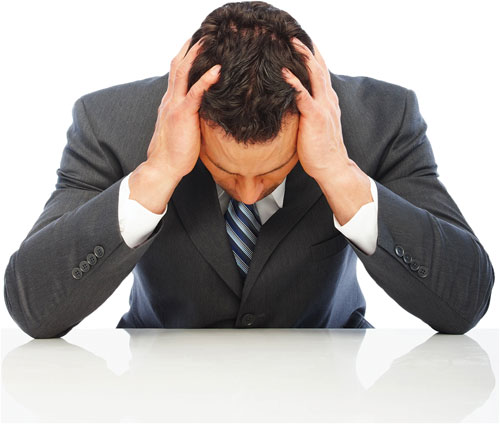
x=137 y=222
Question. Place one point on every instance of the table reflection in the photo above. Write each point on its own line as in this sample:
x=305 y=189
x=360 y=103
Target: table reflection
x=253 y=374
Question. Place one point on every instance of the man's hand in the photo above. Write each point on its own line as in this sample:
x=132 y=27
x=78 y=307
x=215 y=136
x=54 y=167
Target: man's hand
x=320 y=145
x=175 y=145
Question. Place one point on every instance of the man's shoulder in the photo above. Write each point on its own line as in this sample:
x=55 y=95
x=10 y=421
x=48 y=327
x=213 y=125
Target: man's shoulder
x=360 y=85
x=125 y=113
x=143 y=93
x=368 y=99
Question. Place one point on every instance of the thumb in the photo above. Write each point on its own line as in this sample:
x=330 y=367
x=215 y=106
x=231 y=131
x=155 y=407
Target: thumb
x=193 y=97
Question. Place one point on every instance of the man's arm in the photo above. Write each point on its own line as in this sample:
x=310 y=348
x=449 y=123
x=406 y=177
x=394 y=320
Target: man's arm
x=427 y=257
x=44 y=291
x=74 y=257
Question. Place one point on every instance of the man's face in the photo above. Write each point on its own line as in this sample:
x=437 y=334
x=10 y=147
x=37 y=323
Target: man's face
x=249 y=173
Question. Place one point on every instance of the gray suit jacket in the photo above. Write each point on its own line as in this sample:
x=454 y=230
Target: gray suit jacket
x=303 y=271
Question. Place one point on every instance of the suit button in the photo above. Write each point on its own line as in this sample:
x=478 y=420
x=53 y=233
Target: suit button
x=414 y=266
x=407 y=258
x=423 y=271
x=91 y=259
x=99 y=251
x=84 y=266
x=248 y=320
x=77 y=273
x=399 y=251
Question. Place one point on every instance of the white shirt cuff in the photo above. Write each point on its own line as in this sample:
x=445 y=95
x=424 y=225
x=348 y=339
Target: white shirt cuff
x=136 y=222
x=362 y=228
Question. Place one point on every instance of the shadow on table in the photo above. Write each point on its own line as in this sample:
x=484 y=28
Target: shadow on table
x=202 y=374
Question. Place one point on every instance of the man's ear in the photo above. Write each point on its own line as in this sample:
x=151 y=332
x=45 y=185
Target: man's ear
x=202 y=139
x=203 y=144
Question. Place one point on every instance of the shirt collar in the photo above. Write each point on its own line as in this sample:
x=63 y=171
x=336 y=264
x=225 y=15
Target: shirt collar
x=278 y=194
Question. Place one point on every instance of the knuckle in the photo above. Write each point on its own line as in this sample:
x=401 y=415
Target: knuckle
x=164 y=104
x=180 y=72
x=174 y=114
x=337 y=108
x=322 y=78
x=173 y=62
x=193 y=94
x=300 y=95
x=322 y=115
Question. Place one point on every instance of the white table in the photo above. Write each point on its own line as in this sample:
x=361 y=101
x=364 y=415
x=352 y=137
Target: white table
x=251 y=375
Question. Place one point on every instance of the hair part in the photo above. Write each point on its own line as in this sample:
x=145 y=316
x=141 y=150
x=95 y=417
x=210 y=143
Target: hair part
x=252 y=42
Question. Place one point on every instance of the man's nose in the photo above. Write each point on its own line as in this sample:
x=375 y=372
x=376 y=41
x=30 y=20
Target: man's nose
x=249 y=190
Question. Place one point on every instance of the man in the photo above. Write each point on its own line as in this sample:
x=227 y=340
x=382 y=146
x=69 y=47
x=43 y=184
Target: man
x=242 y=197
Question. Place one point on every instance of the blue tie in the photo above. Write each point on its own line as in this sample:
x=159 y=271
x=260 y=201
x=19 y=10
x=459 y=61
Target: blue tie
x=243 y=226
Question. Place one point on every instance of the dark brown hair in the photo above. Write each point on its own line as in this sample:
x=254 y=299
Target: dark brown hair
x=252 y=42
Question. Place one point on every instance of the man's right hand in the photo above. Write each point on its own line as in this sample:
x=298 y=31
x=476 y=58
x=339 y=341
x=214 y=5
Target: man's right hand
x=175 y=145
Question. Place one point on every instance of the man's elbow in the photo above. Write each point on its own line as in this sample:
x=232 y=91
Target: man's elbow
x=45 y=334
x=482 y=280
x=36 y=330
x=467 y=318
x=458 y=327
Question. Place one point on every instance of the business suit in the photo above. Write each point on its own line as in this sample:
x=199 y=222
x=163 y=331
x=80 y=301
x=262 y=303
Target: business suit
x=303 y=270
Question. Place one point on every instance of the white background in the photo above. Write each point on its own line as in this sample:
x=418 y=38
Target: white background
x=53 y=52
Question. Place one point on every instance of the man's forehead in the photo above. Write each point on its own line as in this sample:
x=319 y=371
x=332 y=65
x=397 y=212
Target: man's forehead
x=257 y=159
x=216 y=131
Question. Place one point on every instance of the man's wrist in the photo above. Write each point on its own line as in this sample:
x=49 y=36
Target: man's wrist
x=151 y=187
x=346 y=190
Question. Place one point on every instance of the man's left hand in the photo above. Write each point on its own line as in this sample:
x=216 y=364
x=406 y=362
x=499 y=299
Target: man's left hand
x=320 y=145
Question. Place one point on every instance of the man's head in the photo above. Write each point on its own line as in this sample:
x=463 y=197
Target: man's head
x=249 y=117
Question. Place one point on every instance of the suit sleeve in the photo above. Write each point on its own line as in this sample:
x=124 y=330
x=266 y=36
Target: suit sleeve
x=427 y=257
x=74 y=257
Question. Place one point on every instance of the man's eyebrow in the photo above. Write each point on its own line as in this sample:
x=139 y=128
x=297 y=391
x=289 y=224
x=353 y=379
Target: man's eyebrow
x=268 y=172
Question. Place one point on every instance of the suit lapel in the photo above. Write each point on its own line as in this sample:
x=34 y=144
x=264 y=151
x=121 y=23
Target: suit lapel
x=197 y=204
x=301 y=192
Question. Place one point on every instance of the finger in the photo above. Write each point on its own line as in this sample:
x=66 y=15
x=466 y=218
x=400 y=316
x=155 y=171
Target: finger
x=321 y=61
x=305 y=102
x=182 y=72
x=173 y=66
x=193 y=97
x=316 y=74
x=175 y=63
x=184 y=49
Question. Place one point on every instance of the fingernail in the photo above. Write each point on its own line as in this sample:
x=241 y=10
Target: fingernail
x=215 y=70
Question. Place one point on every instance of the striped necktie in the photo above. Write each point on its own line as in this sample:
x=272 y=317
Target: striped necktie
x=242 y=225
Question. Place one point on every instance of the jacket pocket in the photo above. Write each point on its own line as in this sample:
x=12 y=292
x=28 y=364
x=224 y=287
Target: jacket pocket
x=328 y=247
x=357 y=320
